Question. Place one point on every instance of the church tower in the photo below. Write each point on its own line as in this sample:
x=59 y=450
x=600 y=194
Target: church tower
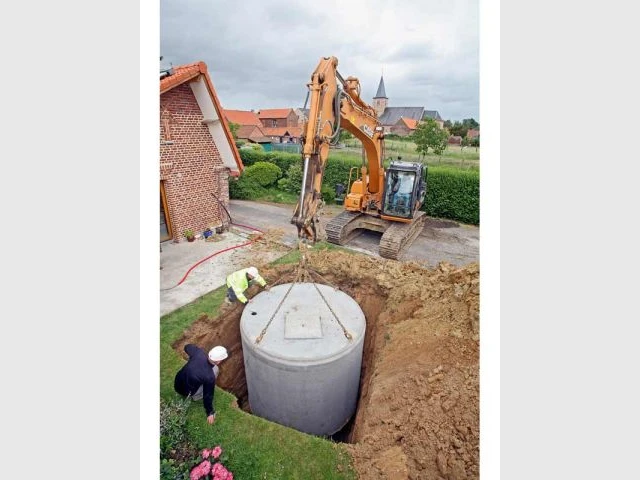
x=380 y=100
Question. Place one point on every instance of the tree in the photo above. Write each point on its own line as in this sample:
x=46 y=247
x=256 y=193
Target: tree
x=459 y=129
x=344 y=135
x=234 y=129
x=470 y=123
x=429 y=135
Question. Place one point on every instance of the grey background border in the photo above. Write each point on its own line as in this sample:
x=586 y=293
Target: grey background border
x=71 y=243
x=568 y=247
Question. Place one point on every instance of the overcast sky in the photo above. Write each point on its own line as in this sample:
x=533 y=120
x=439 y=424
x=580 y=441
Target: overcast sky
x=261 y=53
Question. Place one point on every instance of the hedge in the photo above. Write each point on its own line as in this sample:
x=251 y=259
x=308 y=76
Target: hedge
x=451 y=193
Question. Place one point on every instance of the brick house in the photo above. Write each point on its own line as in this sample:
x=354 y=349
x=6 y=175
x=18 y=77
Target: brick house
x=283 y=134
x=251 y=128
x=404 y=127
x=197 y=153
x=472 y=133
x=455 y=140
x=278 y=117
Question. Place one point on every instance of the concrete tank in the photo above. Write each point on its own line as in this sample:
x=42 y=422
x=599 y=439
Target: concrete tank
x=304 y=373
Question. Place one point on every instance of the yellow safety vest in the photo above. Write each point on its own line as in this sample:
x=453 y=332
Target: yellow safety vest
x=239 y=282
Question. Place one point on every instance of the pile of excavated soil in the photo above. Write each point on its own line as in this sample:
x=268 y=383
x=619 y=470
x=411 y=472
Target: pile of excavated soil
x=418 y=413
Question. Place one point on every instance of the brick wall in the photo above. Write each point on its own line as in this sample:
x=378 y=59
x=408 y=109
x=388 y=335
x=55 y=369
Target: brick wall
x=401 y=130
x=291 y=120
x=191 y=166
x=268 y=122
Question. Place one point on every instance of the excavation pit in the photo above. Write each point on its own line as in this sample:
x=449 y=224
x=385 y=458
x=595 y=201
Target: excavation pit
x=417 y=410
x=343 y=361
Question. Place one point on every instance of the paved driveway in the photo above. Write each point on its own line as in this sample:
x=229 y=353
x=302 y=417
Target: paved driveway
x=440 y=240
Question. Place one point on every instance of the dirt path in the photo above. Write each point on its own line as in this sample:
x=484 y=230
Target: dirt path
x=440 y=241
x=418 y=410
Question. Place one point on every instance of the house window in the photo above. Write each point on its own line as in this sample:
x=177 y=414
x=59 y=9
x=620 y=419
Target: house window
x=274 y=123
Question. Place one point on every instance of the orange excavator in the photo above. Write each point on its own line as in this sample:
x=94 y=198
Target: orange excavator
x=384 y=200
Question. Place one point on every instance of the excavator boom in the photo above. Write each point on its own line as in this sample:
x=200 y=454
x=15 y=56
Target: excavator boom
x=335 y=103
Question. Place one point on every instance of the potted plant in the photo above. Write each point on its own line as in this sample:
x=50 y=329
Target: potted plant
x=189 y=235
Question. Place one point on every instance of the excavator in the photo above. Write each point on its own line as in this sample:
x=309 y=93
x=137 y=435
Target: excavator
x=383 y=200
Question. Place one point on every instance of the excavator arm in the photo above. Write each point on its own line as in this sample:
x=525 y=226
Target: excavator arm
x=335 y=103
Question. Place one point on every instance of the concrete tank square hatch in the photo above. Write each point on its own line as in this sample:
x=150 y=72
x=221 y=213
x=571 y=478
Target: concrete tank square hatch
x=302 y=325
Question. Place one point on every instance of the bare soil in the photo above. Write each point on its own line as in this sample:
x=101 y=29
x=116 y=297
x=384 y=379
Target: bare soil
x=418 y=411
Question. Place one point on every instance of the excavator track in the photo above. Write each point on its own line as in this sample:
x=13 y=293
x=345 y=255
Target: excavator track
x=342 y=228
x=399 y=236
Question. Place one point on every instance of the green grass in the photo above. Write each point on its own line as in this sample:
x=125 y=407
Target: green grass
x=467 y=157
x=253 y=447
x=276 y=195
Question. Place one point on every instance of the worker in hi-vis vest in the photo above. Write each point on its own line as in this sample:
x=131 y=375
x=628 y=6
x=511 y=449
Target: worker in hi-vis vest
x=239 y=281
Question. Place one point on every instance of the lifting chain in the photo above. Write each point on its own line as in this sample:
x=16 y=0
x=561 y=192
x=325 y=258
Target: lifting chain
x=303 y=274
x=264 y=330
x=344 y=330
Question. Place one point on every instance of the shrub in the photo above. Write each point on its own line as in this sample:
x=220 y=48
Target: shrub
x=454 y=194
x=264 y=173
x=245 y=188
x=328 y=194
x=173 y=418
x=281 y=159
x=293 y=181
x=451 y=193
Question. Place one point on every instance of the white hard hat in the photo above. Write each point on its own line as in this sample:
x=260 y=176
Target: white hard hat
x=253 y=271
x=217 y=354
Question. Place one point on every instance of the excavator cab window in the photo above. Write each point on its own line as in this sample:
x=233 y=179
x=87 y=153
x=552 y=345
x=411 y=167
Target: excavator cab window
x=399 y=193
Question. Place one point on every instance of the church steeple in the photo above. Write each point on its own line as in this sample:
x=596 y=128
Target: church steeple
x=381 y=93
x=380 y=100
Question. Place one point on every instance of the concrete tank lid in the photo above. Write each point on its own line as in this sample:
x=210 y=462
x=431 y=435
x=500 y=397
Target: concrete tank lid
x=304 y=328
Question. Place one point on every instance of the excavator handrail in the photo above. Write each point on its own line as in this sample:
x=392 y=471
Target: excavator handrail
x=356 y=179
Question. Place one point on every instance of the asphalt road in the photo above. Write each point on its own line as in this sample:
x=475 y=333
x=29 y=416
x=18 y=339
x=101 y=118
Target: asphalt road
x=440 y=240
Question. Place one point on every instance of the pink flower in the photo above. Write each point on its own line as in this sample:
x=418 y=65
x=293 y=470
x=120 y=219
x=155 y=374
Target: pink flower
x=220 y=473
x=201 y=470
x=216 y=452
x=205 y=453
x=196 y=473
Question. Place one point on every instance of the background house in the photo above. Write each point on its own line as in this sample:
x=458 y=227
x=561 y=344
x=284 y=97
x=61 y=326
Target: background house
x=434 y=115
x=278 y=117
x=404 y=127
x=303 y=115
x=281 y=125
x=250 y=128
x=472 y=133
x=197 y=152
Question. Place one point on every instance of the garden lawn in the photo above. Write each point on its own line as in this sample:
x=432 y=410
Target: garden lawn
x=253 y=448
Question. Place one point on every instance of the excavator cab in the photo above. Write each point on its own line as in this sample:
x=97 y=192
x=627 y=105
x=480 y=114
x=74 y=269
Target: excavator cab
x=404 y=189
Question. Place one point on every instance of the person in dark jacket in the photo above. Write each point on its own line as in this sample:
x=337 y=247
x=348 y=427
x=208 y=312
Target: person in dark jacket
x=197 y=379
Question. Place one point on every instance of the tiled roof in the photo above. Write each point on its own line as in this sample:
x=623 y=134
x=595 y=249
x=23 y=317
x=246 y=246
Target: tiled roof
x=242 y=117
x=409 y=122
x=391 y=115
x=180 y=75
x=282 y=131
x=185 y=73
x=274 y=113
x=432 y=114
x=249 y=131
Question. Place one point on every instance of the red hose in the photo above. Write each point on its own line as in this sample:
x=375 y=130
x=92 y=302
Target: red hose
x=219 y=252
